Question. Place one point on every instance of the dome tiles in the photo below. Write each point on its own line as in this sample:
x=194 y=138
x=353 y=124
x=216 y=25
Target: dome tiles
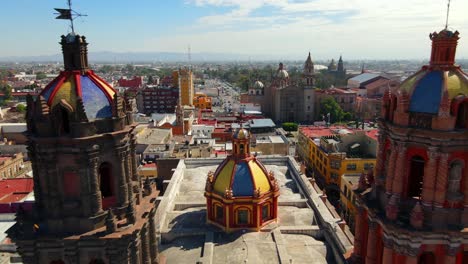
x=426 y=88
x=258 y=85
x=96 y=94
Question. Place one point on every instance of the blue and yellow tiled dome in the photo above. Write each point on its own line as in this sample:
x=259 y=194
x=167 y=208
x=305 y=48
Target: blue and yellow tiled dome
x=426 y=88
x=243 y=177
x=96 y=94
x=441 y=80
x=241 y=194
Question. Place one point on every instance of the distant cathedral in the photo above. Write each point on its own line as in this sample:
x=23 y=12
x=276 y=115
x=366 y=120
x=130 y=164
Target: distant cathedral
x=339 y=71
x=286 y=100
x=90 y=205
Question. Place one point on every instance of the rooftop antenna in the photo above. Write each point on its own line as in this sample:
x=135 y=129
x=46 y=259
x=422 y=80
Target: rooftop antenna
x=448 y=10
x=189 y=54
x=68 y=14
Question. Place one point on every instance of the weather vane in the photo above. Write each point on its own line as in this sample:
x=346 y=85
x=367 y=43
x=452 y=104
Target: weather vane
x=68 y=14
x=448 y=10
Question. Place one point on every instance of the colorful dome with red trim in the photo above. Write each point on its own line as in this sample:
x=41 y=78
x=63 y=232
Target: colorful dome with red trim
x=96 y=94
x=78 y=81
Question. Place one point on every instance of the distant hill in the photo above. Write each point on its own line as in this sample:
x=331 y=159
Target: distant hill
x=107 y=56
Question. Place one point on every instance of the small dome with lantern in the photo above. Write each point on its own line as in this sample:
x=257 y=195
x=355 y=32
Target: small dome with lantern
x=437 y=95
x=241 y=179
x=77 y=81
x=258 y=85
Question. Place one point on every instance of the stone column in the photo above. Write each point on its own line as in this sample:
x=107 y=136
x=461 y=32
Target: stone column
x=128 y=178
x=387 y=256
x=145 y=246
x=429 y=179
x=400 y=169
x=152 y=237
x=411 y=260
x=371 y=255
x=95 y=192
x=379 y=166
x=359 y=222
x=390 y=173
x=441 y=181
x=123 y=188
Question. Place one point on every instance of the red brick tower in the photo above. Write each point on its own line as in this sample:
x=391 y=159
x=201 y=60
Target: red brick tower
x=416 y=209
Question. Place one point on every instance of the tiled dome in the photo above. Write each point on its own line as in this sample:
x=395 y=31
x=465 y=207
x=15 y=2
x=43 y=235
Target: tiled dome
x=243 y=177
x=258 y=85
x=96 y=94
x=427 y=87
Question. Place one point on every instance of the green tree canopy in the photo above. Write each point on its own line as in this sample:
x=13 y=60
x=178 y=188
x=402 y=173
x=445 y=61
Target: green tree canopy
x=289 y=126
x=40 y=76
x=21 y=108
x=330 y=106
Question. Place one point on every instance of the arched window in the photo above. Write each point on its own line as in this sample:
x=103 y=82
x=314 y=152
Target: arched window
x=219 y=213
x=105 y=180
x=455 y=176
x=243 y=217
x=426 y=258
x=462 y=116
x=265 y=212
x=416 y=176
x=65 y=121
x=241 y=149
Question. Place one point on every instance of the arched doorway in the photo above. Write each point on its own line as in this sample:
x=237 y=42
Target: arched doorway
x=462 y=115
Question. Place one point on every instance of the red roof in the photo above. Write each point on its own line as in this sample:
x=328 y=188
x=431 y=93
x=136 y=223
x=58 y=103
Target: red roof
x=372 y=133
x=320 y=131
x=12 y=190
x=149 y=165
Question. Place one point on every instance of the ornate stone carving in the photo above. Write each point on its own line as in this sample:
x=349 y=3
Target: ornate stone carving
x=228 y=193
x=130 y=213
x=392 y=208
x=111 y=225
x=417 y=216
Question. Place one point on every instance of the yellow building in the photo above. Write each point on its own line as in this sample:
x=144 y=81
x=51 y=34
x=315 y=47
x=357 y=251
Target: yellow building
x=329 y=152
x=348 y=198
x=202 y=101
x=184 y=79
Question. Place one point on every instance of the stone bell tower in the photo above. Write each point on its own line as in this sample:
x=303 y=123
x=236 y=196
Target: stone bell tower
x=89 y=205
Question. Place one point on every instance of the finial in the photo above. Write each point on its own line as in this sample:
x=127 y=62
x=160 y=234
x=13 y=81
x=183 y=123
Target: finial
x=68 y=14
x=448 y=10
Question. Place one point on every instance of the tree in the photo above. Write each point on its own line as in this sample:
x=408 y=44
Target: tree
x=330 y=106
x=150 y=79
x=40 y=76
x=289 y=126
x=21 y=108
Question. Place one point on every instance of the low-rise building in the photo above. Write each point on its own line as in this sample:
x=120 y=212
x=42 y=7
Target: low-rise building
x=346 y=99
x=347 y=206
x=11 y=165
x=148 y=170
x=329 y=152
x=202 y=101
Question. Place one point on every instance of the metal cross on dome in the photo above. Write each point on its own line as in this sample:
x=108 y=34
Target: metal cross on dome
x=68 y=14
x=448 y=10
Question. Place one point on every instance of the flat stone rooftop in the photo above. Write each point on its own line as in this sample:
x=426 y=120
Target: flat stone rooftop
x=187 y=238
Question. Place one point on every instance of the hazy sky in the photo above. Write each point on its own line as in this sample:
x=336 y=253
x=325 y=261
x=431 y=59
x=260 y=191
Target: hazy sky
x=287 y=29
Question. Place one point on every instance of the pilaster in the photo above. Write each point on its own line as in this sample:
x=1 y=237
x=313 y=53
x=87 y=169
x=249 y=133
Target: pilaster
x=430 y=170
x=400 y=169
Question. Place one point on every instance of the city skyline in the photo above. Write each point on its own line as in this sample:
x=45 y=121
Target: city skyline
x=278 y=28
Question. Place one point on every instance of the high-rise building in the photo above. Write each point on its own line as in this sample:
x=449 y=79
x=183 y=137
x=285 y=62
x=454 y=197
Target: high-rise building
x=90 y=206
x=185 y=83
x=416 y=208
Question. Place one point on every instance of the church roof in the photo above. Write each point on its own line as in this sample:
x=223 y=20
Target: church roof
x=96 y=94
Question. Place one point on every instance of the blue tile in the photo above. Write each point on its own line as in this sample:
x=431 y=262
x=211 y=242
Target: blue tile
x=427 y=93
x=242 y=185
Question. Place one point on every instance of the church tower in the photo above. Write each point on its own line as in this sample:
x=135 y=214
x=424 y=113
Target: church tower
x=309 y=72
x=89 y=204
x=341 y=71
x=416 y=208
